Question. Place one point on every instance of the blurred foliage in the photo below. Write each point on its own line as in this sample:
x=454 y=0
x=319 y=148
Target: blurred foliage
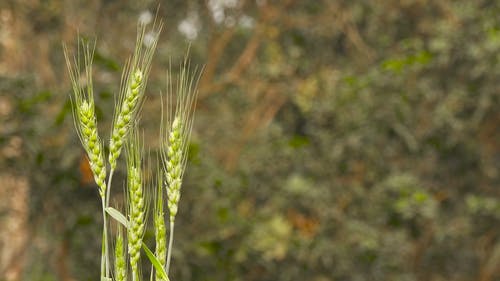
x=334 y=140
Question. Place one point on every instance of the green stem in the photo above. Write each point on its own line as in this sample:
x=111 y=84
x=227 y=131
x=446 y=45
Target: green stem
x=102 y=257
x=108 y=187
x=170 y=243
x=105 y=237
x=105 y=204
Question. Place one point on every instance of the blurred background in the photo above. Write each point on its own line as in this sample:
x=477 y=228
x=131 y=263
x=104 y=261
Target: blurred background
x=334 y=140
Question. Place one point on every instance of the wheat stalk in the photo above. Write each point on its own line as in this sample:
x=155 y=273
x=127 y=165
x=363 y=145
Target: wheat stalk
x=175 y=138
x=136 y=201
x=86 y=127
x=132 y=89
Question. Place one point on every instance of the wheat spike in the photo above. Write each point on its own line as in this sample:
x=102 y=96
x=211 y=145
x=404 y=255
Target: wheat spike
x=132 y=89
x=177 y=134
x=175 y=138
x=120 y=259
x=136 y=201
x=159 y=225
x=84 y=113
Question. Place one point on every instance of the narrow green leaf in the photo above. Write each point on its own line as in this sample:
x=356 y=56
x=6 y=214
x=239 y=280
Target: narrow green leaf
x=118 y=216
x=106 y=278
x=154 y=261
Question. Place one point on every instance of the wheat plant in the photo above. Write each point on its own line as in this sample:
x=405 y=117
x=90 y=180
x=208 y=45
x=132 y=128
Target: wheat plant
x=136 y=201
x=175 y=134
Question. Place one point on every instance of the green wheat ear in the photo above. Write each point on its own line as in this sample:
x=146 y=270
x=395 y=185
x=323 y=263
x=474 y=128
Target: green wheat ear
x=133 y=85
x=136 y=201
x=177 y=132
x=120 y=258
x=84 y=112
x=159 y=225
x=175 y=137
